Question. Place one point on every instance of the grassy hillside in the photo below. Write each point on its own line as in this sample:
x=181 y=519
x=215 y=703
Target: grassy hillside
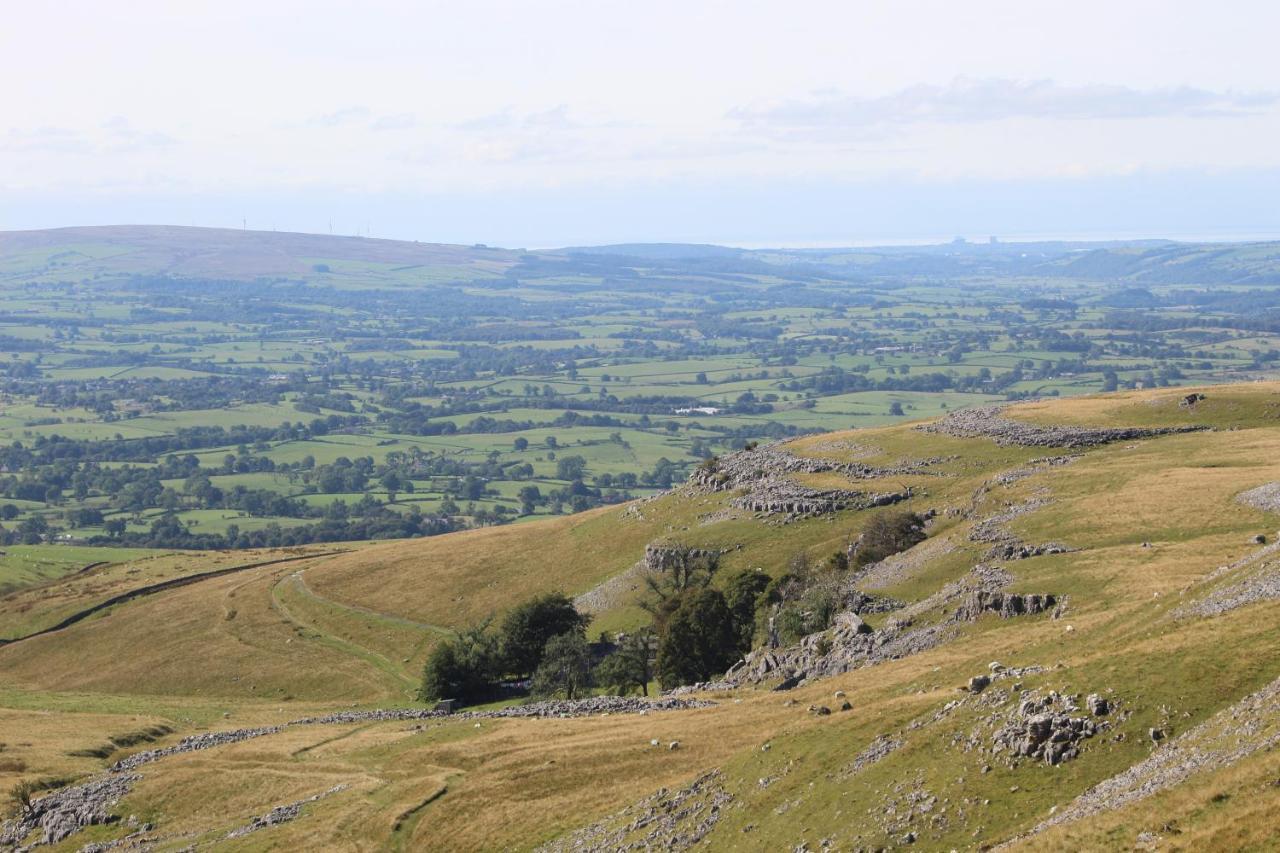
x=1166 y=606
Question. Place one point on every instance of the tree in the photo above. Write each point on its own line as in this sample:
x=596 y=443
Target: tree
x=530 y=497
x=521 y=443
x=889 y=533
x=570 y=468
x=895 y=409
x=461 y=668
x=565 y=668
x=528 y=627
x=698 y=640
x=628 y=668
x=21 y=793
x=682 y=569
x=742 y=593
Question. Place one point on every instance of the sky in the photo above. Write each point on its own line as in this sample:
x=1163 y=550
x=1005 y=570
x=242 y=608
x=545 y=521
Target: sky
x=552 y=123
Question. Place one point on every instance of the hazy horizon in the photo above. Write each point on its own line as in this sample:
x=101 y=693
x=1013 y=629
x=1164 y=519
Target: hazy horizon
x=566 y=123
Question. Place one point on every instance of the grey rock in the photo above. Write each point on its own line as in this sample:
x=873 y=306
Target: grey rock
x=989 y=422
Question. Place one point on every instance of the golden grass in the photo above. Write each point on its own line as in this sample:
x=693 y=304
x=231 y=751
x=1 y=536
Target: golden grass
x=219 y=638
x=340 y=631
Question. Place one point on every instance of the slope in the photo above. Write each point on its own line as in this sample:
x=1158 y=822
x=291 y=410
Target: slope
x=1163 y=614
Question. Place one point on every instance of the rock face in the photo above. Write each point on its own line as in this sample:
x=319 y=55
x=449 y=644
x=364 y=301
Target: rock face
x=765 y=475
x=1235 y=732
x=989 y=422
x=665 y=558
x=68 y=810
x=1004 y=604
x=736 y=470
x=849 y=643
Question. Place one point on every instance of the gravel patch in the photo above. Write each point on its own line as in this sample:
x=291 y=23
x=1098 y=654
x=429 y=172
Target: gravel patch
x=1265 y=497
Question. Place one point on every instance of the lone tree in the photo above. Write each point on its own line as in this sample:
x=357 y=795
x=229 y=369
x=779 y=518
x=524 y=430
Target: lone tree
x=698 y=639
x=628 y=668
x=527 y=628
x=565 y=669
x=889 y=533
x=21 y=793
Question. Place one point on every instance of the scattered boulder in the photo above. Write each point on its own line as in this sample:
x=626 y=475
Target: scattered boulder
x=1043 y=728
x=979 y=683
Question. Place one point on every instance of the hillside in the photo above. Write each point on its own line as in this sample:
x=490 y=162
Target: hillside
x=223 y=253
x=1082 y=654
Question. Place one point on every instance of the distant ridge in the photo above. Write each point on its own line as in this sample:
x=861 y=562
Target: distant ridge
x=232 y=253
x=659 y=251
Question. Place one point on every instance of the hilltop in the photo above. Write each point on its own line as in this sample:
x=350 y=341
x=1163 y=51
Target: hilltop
x=1081 y=654
x=222 y=253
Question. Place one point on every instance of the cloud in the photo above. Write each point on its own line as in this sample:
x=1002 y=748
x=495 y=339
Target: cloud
x=113 y=135
x=398 y=121
x=967 y=100
x=347 y=115
x=123 y=136
x=61 y=140
x=556 y=118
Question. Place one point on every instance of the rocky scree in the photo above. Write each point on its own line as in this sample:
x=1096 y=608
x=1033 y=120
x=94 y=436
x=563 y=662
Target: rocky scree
x=989 y=422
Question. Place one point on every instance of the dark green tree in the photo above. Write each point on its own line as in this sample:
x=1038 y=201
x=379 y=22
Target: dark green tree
x=698 y=640
x=462 y=668
x=528 y=627
x=570 y=467
x=743 y=592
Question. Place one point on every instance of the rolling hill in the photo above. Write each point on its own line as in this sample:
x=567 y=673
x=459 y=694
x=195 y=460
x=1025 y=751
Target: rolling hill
x=1082 y=654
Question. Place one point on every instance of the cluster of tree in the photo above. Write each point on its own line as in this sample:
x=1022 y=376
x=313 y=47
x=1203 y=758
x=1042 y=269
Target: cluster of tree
x=701 y=624
x=472 y=665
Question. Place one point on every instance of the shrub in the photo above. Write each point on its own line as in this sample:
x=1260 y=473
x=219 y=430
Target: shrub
x=810 y=613
x=889 y=533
